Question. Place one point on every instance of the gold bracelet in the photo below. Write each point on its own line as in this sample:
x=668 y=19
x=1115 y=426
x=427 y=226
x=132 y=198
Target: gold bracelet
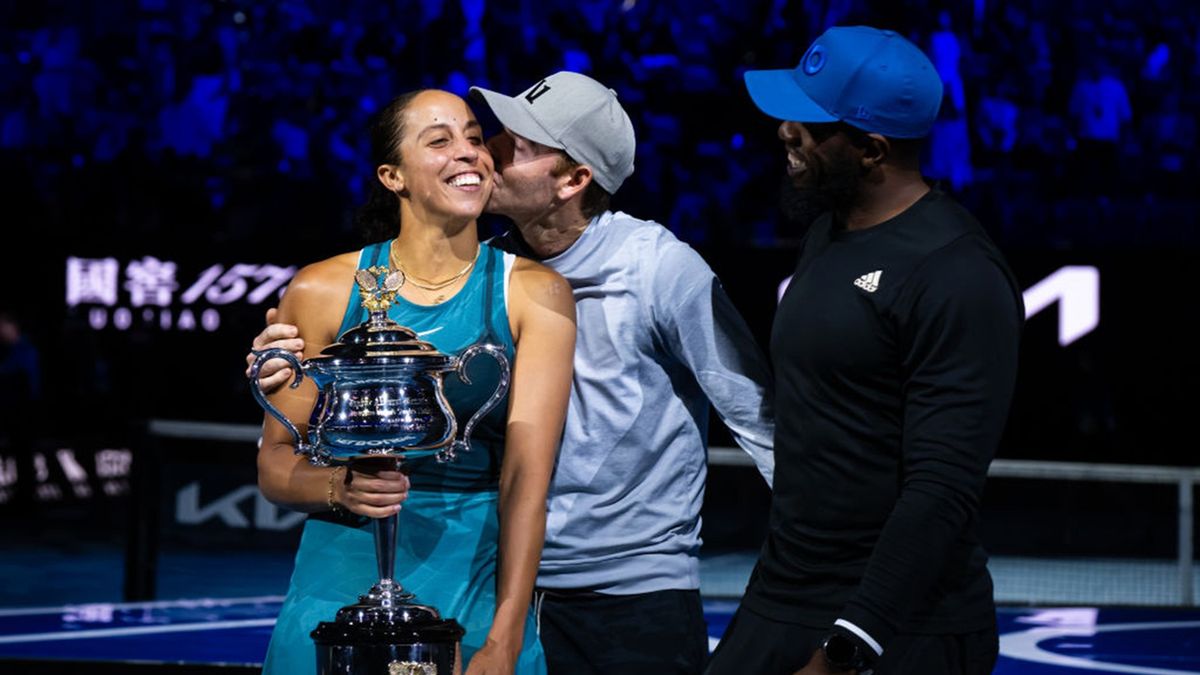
x=329 y=500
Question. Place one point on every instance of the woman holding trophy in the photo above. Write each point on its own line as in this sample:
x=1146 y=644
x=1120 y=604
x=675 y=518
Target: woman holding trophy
x=471 y=533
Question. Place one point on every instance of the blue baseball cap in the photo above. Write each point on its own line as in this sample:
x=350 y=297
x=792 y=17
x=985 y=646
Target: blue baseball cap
x=872 y=79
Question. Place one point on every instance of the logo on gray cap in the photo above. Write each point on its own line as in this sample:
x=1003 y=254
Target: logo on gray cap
x=537 y=90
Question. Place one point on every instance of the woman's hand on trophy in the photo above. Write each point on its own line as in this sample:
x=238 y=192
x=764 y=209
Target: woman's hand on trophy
x=372 y=488
x=275 y=373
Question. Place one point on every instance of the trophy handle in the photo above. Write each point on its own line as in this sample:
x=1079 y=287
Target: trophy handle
x=302 y=447
x=496 y=352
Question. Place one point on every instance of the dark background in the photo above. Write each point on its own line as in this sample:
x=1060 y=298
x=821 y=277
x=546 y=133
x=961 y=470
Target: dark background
x=216 y=133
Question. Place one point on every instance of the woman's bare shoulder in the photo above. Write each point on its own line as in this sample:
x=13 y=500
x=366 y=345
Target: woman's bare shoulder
x=326 y=278
x=316 y=298
x=535 y=285
x=537 y=279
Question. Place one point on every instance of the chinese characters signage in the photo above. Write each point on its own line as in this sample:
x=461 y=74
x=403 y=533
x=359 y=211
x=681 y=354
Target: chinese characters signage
x=151 y=293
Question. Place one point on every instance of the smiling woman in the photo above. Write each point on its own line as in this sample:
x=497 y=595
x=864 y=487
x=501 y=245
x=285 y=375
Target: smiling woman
x=472 y=530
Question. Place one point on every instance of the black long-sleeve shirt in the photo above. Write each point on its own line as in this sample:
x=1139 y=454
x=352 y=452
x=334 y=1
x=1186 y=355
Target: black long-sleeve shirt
x=895 y=355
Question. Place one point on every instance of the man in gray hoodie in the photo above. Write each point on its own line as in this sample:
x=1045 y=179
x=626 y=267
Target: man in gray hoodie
x=658 y=340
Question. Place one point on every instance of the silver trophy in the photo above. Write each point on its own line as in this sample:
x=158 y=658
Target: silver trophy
x=380 y=395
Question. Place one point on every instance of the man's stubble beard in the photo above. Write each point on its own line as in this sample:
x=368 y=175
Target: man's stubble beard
x=836 y=188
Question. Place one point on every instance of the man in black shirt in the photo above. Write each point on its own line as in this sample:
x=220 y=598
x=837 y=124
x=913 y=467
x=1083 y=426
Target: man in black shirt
x=895 y=352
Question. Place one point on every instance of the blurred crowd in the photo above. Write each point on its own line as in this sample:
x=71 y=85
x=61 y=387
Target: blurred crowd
x=1064 y=124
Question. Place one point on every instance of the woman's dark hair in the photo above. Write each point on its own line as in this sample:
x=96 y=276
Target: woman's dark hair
x=378 y=218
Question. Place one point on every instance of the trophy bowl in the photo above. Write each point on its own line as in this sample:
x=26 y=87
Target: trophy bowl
x=380 y=395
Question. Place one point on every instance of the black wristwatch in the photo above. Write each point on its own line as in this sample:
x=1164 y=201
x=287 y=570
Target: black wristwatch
x=842 y=653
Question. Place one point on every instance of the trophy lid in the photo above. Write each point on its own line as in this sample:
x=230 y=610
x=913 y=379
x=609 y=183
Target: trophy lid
x=378 y=337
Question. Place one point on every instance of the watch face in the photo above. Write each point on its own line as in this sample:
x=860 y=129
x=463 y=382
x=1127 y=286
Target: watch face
x=840 y=652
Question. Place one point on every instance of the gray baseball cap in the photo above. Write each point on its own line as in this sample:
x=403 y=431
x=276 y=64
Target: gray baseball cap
x=576 y=114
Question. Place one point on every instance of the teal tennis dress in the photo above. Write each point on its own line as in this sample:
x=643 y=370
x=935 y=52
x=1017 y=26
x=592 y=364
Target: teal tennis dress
x=448 y=532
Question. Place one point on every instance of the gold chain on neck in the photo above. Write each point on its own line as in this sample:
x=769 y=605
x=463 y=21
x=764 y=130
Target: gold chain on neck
x=424 y=283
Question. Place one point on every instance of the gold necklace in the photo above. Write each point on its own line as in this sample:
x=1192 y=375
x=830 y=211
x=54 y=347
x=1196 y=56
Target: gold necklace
x=425 y=283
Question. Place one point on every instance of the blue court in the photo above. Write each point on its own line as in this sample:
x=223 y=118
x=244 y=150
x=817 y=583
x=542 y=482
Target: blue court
x=1034 y=641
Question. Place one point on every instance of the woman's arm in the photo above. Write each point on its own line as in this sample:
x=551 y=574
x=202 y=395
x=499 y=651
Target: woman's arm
x=542 y=311
x=315 y=303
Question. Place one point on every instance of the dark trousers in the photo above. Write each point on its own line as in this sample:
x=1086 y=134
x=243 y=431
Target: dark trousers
x=756 y=644
x=659 y=633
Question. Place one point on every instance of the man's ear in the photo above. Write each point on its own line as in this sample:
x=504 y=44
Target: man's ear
x=391 y=176
x=876 y=149
x=575 y=181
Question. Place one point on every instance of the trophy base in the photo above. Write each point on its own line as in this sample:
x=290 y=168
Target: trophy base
x=393 y=639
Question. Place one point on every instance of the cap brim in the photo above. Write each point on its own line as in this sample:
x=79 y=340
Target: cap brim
x=776 y=93
x=514 y=116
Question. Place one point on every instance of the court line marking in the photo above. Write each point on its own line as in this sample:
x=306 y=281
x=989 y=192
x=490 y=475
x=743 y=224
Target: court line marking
x=1024 y=646
x=156 y=604
x=136 y=630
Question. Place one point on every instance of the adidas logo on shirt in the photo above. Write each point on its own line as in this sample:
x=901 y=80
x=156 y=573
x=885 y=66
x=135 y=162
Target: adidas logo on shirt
x=869 y=282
